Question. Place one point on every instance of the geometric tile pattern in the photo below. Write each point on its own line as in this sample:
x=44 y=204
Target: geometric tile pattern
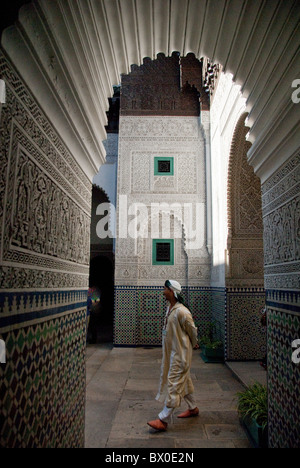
x=150 y=307
x=218 y=297
x=42 y=384
x=200 y=302
x=140 y=312
x=125 y=316
x=283 y=380
x=246 y=337
x=139 y=316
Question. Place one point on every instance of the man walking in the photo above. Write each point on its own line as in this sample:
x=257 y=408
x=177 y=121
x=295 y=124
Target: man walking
x=179 y=339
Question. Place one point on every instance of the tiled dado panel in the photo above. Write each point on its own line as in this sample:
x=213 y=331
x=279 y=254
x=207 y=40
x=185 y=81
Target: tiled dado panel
x=139 y=314
x=283 y=373
x=246 y=338
x=283 y=380
x=200 y=302
x=218 y=307
x=42 y=384
x=140 y=311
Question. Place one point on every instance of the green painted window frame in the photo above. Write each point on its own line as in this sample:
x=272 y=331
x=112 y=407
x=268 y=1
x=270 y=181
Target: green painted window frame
x=157 y=160
x=162 y=241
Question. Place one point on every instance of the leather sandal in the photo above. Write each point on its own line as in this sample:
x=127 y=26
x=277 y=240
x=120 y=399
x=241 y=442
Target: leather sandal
x=158 y=425
x=189 y=413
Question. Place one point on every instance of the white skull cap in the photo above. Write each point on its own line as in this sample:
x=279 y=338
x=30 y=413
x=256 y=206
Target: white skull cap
x=175 y=286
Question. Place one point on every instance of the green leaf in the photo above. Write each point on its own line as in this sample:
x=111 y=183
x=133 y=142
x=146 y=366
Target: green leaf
x=253 y=402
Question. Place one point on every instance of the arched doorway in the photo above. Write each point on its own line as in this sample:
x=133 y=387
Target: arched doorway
x=101 y=277
x=253 y=40
x=246 y=338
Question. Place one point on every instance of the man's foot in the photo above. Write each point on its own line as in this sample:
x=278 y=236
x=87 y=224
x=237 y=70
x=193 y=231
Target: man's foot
x=158 y=425
x=189 y=413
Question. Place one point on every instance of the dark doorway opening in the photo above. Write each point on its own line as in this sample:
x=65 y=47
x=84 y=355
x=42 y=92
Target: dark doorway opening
x=101 y=320
x=101 y=279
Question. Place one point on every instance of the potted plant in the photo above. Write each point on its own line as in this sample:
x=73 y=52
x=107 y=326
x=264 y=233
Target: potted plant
x=253 y=410
x=211 y=347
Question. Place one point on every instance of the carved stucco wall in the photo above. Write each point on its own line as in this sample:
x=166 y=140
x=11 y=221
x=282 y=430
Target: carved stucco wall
x=141 y=139
x=280 y=195
x=44 y=235
x=281 y=218
x=246 y=338
x=245 y=230
x=227 y=107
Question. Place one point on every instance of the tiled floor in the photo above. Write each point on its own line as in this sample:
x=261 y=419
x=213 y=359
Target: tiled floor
x=121 y=388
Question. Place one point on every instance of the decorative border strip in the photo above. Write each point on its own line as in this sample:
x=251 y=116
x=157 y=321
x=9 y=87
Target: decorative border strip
x=184 y=288
x=24 y=308
x=287 y=301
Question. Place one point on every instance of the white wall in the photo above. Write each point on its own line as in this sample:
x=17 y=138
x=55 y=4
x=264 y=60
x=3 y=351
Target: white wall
x=141 y=139
x=107 y=175
x=227 y=106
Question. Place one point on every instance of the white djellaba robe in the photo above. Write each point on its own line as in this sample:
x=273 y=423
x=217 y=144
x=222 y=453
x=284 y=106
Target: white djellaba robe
x=179 y=338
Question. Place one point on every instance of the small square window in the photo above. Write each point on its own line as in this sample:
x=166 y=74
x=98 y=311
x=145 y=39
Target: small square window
x=163 y=252
x=164 y=166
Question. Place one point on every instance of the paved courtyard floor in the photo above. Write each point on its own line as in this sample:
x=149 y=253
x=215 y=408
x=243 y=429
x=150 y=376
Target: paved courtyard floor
x=120 y=398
